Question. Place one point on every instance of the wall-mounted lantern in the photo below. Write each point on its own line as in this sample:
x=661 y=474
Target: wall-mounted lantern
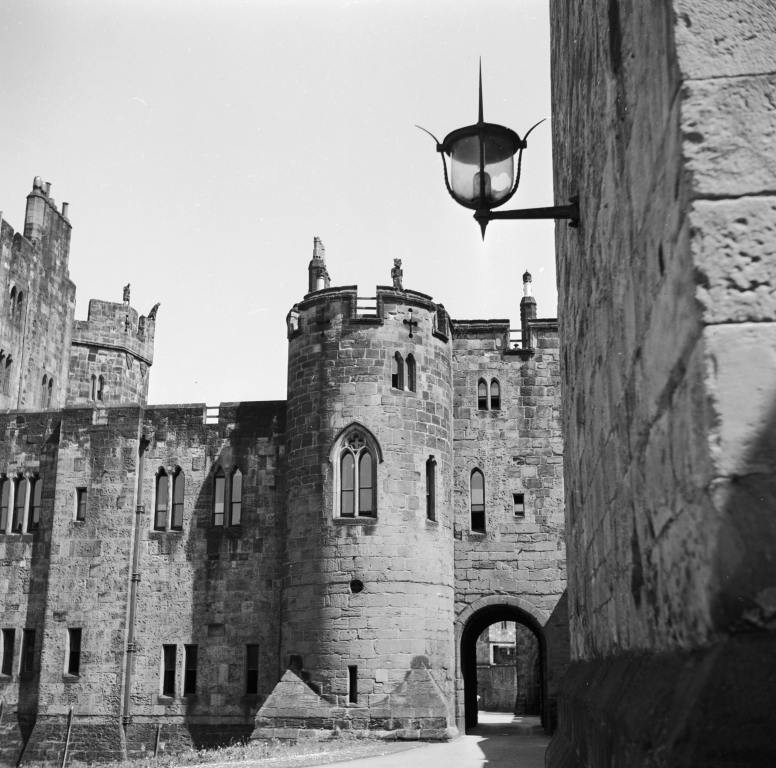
x=485 y=161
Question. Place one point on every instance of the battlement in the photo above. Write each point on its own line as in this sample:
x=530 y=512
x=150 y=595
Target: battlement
x=117 y=326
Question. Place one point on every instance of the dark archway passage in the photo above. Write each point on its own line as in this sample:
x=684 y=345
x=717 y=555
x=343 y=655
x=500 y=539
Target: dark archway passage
x=478 y=622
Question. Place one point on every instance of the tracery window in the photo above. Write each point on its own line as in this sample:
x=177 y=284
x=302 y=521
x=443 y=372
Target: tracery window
x=357 y=478
x=477 y=501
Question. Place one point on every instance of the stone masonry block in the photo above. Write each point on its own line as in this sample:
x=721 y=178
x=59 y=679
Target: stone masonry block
x=726 y=39
x=729 y=130
x=732 y=252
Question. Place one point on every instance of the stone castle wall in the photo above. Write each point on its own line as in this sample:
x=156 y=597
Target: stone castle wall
x=519 y=449
x=663 y=124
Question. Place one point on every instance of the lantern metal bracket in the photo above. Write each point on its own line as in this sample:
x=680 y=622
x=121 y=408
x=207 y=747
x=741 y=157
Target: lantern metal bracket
x=570 y=212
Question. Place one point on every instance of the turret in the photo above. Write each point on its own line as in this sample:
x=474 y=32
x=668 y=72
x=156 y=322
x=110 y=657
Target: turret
x=369 y=514
x=319 y=275
x=111 y=354
x=46 y=225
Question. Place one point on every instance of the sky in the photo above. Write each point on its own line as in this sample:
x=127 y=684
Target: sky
x=202 y=145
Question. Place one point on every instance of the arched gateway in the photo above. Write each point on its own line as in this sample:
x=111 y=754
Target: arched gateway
x=469 y=625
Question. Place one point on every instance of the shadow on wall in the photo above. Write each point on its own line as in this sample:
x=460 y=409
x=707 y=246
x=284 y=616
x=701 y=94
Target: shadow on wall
x=37 y=597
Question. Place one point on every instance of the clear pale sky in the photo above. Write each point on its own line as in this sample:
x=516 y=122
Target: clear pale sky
x=202 y=145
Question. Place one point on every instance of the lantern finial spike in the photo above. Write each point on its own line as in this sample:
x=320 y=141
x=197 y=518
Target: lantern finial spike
x=480 y=118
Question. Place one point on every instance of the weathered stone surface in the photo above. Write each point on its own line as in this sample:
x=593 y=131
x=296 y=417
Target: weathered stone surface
x=728 y=130
x=663 y=120
x=724 y=39
x=733 y=258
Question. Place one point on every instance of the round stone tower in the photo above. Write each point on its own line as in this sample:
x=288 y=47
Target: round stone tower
x=368 y=605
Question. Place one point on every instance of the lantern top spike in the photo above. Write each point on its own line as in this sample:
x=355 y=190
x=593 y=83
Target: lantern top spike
x=480 y=117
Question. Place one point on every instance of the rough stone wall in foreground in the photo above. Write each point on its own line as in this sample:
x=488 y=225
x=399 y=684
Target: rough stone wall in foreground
x=664 y=124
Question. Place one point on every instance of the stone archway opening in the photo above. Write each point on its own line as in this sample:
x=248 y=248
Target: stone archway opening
x=503 y=663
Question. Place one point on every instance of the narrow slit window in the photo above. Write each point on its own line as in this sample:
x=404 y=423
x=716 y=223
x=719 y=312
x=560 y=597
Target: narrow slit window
x=5 y=493
x=74 y=651
x=168 y=670
x=36 y=491
x=219 y=497
x=251 y=669
x=49 y=393
x=80 y=504
x=353 y=684
x=43 y=390
x=411 y=374
x=12 y=302
x=190 y=670
x=160 y=505
x=178 y=488
x=478 y=501
x=495 y=395
x=93 y=394
x=101 y=388
x=9 y=638
x=518 y=503
x=28 y=651
x=19 y=500
x=482 y=395
x=431 y=488
x=19 y=303
x=235 y=504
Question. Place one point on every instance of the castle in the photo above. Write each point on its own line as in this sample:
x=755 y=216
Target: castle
x=191 y=575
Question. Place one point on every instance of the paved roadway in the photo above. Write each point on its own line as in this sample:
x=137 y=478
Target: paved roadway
x=500 y=741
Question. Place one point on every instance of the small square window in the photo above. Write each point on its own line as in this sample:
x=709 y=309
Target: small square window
x=519 y=504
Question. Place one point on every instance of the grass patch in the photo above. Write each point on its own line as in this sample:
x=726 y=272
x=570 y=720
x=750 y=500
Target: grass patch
x=274 y=754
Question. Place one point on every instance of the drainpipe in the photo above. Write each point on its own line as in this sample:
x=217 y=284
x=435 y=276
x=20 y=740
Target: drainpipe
x=126 y=715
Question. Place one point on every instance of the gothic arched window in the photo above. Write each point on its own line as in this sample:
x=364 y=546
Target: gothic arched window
x=178 y=488
x=162 y=500
x=411 y=376
x=19 y=500
x=235 y=500
x=482 y=395
x=219 y=497
x=478 y=501
x=36 y=491
x=397 y=375
x=495 y=395
x=357 y=477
